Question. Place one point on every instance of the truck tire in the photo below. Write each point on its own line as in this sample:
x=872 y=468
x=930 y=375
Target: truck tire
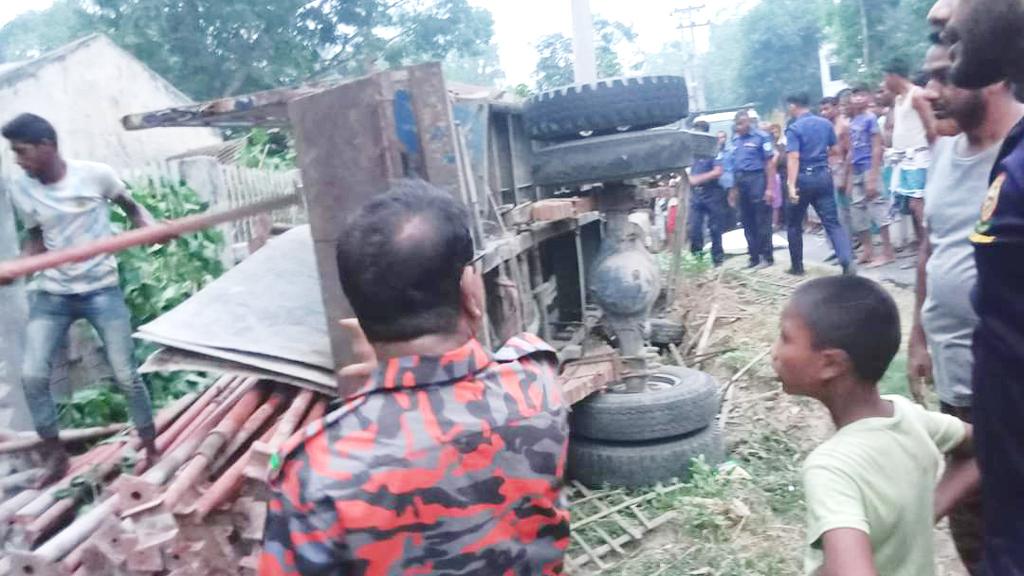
x=606 y=106
x=620 y=157
x=687 y=400
x=664 y=332
x=635 y=465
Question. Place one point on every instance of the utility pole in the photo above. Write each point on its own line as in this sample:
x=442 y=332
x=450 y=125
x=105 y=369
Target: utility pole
x=692 y=17
x=864 y=35
x=585 y=61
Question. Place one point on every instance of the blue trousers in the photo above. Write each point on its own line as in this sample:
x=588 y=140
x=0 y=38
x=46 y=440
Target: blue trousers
x=756 y=215
x=709 y=205
x=816 y=190
x=50 y=317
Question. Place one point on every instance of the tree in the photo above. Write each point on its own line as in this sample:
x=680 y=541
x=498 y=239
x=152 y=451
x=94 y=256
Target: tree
x=555 y=55
x=673 y=58
x=213 y=48
x=554 y=62
x=780 y=51
x=34 y=33
x=720 y=67
x=867 y=33
x=481 y=70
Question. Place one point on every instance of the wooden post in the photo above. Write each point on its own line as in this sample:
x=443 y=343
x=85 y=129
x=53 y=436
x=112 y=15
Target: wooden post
x=679 y=236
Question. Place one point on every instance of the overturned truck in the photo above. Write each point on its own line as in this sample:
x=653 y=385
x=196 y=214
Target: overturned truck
x=551 y=184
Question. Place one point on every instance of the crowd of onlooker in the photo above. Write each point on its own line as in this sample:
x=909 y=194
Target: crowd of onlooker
x=941 y=147
x=879 y=166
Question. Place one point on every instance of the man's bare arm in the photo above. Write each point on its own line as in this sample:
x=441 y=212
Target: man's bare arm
x=961 y=477
x=843 y=138
x=769 y=174
x=924 y=110
x=919 y=361
x=847 y=553
x=877 y=150
x=137 y=213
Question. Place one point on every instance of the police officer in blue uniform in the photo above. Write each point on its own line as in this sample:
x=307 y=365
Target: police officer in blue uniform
x=708 y=202
x=808 y=139
x=753 y=155
x=988 y=46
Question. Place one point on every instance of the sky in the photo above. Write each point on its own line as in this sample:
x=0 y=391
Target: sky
x=11 y=8
x=520 y=24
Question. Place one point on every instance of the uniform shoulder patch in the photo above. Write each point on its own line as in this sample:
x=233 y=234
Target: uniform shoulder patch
x=988 y=209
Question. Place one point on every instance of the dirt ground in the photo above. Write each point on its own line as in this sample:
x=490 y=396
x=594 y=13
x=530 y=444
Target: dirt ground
x=749 y=520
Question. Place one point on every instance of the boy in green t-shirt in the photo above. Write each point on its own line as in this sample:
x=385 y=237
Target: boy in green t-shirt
x=873 y=490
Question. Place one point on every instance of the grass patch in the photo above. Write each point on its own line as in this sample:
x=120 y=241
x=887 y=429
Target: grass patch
x=692 y=266
x=894 y=381
x=741 y=519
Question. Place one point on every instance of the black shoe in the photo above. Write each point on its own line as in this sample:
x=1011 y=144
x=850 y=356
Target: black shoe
x=796 y=271
x=753 y=263
x=765 y=264
x=831 y=257
x=719 y=263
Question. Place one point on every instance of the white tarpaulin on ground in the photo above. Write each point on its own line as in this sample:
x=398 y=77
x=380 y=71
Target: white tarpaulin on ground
x=734 y=242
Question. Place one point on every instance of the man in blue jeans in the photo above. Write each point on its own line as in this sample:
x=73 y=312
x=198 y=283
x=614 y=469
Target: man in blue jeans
x=64 y=203
x=808 y=140
x=753 y=158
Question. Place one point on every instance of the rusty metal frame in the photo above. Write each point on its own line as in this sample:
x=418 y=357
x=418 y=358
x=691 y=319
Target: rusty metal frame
x=355 y=136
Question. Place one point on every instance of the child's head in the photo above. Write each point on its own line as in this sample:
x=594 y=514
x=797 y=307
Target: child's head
x=836 y=328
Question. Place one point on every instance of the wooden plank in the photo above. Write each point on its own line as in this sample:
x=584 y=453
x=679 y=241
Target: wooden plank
x=562 y=208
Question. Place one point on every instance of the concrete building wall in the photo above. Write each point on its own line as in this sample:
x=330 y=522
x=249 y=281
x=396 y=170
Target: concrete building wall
x=13 y=314
x=86 y=90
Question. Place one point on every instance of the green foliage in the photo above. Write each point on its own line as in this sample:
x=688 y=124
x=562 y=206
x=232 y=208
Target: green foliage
x=554 y=62
x=781 y=51
x=483 y=69
x=760 y=56
x=158 y=278
x=773 y=460
x=894 y=28
x=721 y=66
x=894 y=381
x=96 y=406
x=522 y=91
x=34 y=33
x=555 y=55
x=672 y=59
x=259 y=45
x=271 y=148
x=155 y=279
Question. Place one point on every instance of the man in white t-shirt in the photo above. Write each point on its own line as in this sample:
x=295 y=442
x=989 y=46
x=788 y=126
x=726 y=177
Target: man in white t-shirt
x=913 y=132
x=64 y=203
